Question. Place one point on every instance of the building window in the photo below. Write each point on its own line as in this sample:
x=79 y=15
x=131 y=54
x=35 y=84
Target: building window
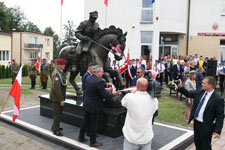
x=4 y=55
x=146 y=42
x=47 y=42
x=223 y=7
x=32 y=40
x=47 y=55
x=33 y=55
x=147 y=11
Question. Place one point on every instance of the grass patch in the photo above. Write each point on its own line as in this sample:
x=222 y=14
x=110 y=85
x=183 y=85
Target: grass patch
x=27 y=81
x=172 y=110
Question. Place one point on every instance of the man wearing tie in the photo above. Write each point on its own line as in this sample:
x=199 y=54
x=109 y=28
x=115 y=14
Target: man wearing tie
x=207 y=112
x=168 y=70
x=161 y=68
x=178 y=70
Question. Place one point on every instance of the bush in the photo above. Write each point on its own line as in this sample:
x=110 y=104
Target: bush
x=0 y=71
x=3 y=71
x=25 y=71
x=8 y=75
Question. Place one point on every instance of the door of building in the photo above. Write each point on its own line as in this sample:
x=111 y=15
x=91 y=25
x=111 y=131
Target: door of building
x=168 y=49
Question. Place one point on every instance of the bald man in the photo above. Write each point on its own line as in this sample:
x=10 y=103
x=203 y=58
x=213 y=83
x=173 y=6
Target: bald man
x=140 y=106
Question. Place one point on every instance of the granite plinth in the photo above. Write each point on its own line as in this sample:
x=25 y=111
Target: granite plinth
x=111 y=120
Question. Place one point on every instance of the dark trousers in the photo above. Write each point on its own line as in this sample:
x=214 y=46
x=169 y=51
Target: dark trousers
x=202 y=139
x=33 y=81
x=221 y=84
x=57 y=113
x=93 y=118
x=168 y=75
x=160 y=78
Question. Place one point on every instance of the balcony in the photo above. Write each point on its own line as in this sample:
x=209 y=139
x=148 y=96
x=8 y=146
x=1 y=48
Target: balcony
x=33 y=46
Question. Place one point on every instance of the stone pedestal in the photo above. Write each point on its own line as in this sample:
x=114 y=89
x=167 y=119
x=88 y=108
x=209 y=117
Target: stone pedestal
x=111 y=120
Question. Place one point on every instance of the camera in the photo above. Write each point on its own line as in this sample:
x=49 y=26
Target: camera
x=154 y=87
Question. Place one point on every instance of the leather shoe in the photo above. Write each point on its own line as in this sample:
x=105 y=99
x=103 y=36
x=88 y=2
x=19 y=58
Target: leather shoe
x=97 y=144
x=60 y=129
x=82 y=140
x=58 y=133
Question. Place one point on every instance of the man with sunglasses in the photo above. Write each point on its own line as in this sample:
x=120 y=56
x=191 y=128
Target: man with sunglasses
x=139 y=74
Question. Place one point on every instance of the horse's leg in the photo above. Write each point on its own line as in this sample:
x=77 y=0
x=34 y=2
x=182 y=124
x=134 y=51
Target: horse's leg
x=116 y=73
x=73 y=75
x=107 y=76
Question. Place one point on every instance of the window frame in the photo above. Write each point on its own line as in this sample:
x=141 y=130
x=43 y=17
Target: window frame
x=146 y=43
x=149 y=9
x=4 y=54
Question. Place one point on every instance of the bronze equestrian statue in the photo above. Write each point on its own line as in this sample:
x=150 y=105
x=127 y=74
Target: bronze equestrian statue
x=111 y=39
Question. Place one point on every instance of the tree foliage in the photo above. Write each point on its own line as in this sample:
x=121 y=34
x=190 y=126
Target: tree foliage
x=69 y=36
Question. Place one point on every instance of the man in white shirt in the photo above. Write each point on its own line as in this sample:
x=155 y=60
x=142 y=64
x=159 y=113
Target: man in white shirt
x=161 y=69
x=140 y=106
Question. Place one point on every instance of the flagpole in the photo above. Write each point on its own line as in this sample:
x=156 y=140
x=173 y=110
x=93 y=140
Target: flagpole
x=61 y=23
x=5 y=102
x=105 y=16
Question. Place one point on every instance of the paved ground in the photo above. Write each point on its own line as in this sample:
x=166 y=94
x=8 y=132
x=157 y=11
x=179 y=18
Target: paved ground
x=217 y=144
x=16 y=139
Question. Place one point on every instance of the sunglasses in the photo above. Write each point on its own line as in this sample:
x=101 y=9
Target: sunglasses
x=138 y=72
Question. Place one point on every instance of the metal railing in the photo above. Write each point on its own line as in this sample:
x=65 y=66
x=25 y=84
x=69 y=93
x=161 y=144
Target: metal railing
x=33 y=46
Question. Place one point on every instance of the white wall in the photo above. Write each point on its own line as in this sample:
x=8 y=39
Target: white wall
x=204 y=13
x=172 y=15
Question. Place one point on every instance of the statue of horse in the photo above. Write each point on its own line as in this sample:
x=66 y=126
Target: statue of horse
x=102 y=43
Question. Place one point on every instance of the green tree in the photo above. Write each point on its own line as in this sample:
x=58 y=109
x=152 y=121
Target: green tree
x=16 y=18
x=69 y=37
x=3 y=17
x=30 y=26
x=56 y=42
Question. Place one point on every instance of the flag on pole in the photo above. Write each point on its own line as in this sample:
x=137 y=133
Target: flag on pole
x=15 y=92
x=106 y=3
x=124 y=67
x=38 y=61
x=149 y=62
x=61 y=2
x=153 y=1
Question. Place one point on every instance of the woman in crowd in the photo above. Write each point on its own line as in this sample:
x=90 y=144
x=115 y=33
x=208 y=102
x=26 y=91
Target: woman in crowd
x=190 y=84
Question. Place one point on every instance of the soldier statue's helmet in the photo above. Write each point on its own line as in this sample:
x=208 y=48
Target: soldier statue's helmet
x=94 y=14
x=60 y=61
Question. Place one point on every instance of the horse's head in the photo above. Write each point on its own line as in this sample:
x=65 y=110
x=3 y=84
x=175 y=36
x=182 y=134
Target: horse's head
x=112 y=38
x=118 y=46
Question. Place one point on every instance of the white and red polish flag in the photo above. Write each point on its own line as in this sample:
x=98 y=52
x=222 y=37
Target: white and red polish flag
x=61 y=2
x=106 y=3
x=15 y=92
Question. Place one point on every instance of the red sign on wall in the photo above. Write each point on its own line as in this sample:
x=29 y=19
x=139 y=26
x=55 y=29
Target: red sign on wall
x=211 y=34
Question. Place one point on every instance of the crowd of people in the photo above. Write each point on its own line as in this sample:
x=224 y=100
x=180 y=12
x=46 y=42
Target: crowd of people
x=141 y=106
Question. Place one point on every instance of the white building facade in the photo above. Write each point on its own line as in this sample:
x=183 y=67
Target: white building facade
x=162 y=27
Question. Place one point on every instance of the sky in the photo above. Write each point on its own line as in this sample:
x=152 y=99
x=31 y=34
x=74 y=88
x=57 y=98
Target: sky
x=45 y=13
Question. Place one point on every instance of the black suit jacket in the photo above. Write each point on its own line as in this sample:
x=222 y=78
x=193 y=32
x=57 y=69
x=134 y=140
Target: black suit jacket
x=95 y=93
x=214 y=111
x=134 y=81
x=176 y=71
x=171 y=67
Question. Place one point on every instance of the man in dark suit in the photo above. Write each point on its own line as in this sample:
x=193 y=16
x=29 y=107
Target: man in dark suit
x=168 y=70
x=139 y=74
x=84 y=77
x=178 y=70
x=207 y=112
x=93 y=104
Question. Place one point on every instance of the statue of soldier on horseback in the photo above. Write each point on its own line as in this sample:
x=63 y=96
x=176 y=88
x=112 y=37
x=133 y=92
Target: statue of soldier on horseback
x=94 y=46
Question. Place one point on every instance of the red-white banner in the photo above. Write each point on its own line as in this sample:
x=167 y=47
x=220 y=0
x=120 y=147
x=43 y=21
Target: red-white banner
x=106 y=3
x=15 y=92
x=38 y=61
x=61 y=2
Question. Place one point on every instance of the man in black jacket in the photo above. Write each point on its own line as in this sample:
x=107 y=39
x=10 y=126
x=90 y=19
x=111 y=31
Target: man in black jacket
x=93 y=104
x=207 y=112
